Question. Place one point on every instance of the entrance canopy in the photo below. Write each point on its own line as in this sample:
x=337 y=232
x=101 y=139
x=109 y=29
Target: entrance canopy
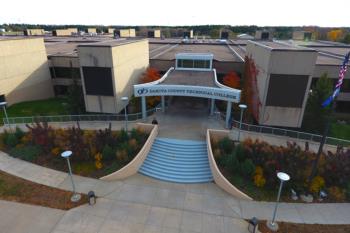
x=192 y=77
x=188 y=83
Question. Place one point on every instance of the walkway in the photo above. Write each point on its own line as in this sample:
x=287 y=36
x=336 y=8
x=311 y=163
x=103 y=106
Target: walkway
x=22 y=218
x=143 y=198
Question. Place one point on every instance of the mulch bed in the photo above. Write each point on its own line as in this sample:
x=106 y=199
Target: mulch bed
x=16 y=189
x=304 y=228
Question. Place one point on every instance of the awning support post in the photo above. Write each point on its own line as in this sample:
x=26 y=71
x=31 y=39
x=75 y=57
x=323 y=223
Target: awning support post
x=228 y=114
x=212 y=106
x=144 y=108
x=163 y=103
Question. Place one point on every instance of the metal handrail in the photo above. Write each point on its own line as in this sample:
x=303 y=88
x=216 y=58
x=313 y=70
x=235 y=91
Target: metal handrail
x=85 y=117
x=288 y=133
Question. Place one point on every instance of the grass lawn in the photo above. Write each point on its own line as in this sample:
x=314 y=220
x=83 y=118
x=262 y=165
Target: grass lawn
x=340 y=131
x=13 y=188
x=53 y=106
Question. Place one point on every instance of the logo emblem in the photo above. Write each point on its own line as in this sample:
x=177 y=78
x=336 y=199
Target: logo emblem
x=142 y=91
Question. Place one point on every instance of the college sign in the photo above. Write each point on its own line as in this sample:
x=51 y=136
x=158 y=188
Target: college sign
x=226 y=94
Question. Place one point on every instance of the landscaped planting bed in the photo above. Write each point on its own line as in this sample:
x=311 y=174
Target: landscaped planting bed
x=251 y=166
x=304 y=228
x=95 y=153
x=13 y=188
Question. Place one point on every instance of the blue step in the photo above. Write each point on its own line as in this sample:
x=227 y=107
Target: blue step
x=180 y=161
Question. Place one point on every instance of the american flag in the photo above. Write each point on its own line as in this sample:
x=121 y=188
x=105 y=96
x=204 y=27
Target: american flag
x=336 y=91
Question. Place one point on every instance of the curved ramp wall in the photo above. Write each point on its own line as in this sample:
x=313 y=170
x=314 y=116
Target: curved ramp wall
x=219 y=179
x=132 y=167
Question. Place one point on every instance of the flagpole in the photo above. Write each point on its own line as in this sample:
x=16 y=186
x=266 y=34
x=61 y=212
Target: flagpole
x=323 y=141
x=330 y=100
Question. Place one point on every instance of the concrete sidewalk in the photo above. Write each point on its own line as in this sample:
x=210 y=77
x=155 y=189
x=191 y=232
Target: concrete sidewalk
x=204 y=199
x=22 y=218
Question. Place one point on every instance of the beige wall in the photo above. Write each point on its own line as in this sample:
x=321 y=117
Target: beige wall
x=124 y=33
x=91 y=30
x=157 y=34
x=110 y=30
x=277 y=61
x=35 y=32
x=24 y=70
x=298 y=35
x=63 y=32
x=128 y=61
x=127 y=32
x=258 y=34
x=73 y=30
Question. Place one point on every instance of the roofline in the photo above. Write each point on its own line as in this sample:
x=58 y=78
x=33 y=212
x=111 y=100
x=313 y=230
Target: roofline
x=109 y=45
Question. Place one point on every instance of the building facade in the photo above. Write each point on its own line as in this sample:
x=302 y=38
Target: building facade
x=24 y=70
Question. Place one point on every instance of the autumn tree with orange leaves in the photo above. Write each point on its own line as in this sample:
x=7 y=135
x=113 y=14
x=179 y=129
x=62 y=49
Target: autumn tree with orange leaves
x=250 y=93
x=335 y=35
x=151 y=75
x=232 y=80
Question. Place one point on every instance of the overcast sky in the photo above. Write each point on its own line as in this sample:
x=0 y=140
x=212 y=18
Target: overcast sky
x=333 y=13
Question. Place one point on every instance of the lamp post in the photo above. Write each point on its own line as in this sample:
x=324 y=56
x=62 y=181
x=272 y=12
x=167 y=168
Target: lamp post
x=125 y=100
x=3 y=105
x=242 y=107
x=283 y=177
x=76 y=196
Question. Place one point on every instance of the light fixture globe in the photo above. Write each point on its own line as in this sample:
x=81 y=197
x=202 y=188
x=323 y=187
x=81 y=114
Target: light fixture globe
x=283 y=176
x=243 y=106
x=66 y=154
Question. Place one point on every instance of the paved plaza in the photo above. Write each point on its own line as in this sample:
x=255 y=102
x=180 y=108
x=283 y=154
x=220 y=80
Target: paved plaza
x=143 y=204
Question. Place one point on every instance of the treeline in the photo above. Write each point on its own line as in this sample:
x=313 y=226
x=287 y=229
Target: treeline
x=320 y=33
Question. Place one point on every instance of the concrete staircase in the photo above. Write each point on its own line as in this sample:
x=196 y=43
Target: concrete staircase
x=181 y=161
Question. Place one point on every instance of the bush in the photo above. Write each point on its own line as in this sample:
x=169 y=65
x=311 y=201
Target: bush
x=247 y=168
x=336 y=193
x=232 y=162
x=226 y=145
x=107 y=153
x=11 y=140
x=347 y=190
x=19 y=133
x=122 y=136
x=28 y=153
x=239 y=150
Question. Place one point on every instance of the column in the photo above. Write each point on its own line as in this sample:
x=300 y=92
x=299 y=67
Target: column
x=163 y=103
x=212 y=106
x=144 y=107
x=228 y=114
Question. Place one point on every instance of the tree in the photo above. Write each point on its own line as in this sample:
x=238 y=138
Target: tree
x=335 y=35
x=315 y=117
x=232 y=80
x=75 y=96
x=347 y=39
x=250 y=92
x=151 y=75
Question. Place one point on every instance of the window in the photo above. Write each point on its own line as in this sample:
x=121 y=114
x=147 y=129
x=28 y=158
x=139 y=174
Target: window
x=187 y=63
x=65 y=72
x=286 y=90
x=2 y=98
x=98 y=81
x=60 y=90
x=265 y=35
x=193 y=64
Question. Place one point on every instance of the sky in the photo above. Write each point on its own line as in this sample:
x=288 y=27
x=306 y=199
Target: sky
x=335 y=13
